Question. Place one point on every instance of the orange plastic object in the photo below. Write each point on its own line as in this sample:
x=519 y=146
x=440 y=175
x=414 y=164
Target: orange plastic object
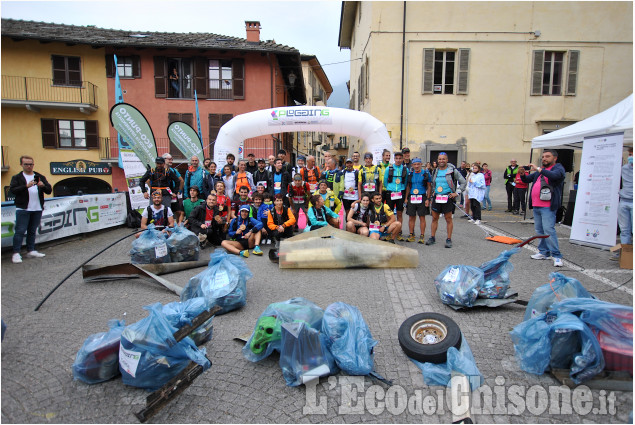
x=504 y=239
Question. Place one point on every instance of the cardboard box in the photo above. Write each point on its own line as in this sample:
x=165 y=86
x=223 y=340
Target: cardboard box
x=626 y=257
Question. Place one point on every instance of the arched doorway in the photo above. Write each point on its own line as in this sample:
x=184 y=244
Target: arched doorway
x=87 y=185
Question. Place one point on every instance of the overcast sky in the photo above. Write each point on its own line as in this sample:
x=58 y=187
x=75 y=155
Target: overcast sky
x=312 y=27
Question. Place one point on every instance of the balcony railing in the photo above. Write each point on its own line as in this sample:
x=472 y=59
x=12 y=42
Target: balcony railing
x=5 y=158
x=43 y=91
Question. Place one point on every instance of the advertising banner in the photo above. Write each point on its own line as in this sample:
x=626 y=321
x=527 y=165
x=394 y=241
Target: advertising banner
x=186 y=140
x=135 y=130
x=134 y=170
x=70 y=215
x=595 y=216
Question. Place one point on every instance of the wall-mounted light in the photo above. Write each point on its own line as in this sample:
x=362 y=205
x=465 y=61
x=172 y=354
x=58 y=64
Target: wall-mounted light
x=292 y=78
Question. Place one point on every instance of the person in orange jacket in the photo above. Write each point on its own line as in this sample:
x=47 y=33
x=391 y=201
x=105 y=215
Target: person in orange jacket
x=280 y=220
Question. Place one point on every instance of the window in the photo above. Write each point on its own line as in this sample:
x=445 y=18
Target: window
x=548 y=70
x=66 y=71
x=445 y=71
x=216 y=121
x=69 y=134
x=128 y=66
x=225 y=77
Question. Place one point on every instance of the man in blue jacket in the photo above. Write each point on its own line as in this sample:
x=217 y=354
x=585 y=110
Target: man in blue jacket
x=545 y=198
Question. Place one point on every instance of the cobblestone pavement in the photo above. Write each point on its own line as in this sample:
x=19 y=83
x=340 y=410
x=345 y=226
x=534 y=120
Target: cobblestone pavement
x=39 y=347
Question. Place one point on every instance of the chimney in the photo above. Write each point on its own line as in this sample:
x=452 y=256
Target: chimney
x=253 y=31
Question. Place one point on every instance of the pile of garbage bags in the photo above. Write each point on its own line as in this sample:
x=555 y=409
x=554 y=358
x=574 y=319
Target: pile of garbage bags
x=461 y=285
x=223 y=283
x=566 y=328
x=157 y=247
x=312 y=342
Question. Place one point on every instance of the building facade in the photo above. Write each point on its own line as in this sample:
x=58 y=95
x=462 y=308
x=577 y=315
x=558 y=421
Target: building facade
x=479 y=80
x=159 y=74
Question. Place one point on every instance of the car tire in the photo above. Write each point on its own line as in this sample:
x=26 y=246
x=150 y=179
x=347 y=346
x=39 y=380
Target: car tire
x=427 y=337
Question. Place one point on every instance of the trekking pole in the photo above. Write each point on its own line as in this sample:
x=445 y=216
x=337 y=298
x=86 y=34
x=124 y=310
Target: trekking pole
x=78 y=267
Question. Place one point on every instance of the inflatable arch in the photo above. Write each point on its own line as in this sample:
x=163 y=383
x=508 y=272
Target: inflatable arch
x=302 y=118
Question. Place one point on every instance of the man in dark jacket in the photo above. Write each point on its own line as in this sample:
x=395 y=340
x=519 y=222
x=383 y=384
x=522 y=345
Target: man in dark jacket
x=207 y=223
x=547 y=179
x=29 y=188
x=160 y=178
x=262 y=175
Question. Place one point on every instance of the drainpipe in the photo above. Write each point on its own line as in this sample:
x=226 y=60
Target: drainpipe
x=271 y=75
x=403 y=59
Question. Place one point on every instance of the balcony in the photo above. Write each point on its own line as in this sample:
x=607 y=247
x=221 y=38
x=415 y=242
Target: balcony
x=109 y=149
x=40 y=93
x=5 y=158
x=318 y=141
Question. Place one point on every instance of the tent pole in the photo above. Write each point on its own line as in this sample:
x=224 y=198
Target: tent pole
x=528 y=194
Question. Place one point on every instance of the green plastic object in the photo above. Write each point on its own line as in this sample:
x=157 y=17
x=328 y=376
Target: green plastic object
x=267 y=330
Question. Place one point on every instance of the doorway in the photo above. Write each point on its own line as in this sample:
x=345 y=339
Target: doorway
x=86 y=185
x=452 y=156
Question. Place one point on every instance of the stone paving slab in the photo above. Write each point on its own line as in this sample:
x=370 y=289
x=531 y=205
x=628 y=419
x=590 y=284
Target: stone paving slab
x=39 y=347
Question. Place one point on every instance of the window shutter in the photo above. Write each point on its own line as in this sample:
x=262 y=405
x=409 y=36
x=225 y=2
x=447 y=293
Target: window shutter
x=188 y=119
x=160 y=77
x=238 y=73
x=110 y=66
x=428 y=71
x=367 y=69
x=172 y=117
x=536 y=72
x=572 y=74
x=49 y=133
x=136 y=67
x=201 y=69
x=464 y=67
x=92 y=134
x=214 y=126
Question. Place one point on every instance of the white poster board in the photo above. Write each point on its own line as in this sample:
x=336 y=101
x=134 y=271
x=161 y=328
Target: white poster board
x=595 y=216
x=134 y=169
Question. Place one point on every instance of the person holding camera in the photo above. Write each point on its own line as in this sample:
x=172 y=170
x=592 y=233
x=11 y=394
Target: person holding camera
x=29 y=188
x=545 y=199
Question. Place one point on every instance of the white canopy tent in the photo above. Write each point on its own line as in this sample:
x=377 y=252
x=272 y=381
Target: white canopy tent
x=618 y=118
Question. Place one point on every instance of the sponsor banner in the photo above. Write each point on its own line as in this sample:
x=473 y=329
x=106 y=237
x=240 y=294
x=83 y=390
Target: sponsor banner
x=185 y=139
x=69 y=216
x=134 y=170
x=79 y=167
x=135 y=130
x=597 y=200
x=299 y=115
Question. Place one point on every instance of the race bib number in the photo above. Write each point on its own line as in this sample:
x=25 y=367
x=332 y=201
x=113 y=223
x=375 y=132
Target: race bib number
x=208 y=222
x=416 y=199
x=395 y=195
x=264 y=183
x=350 y=191
x=129 y=360
x=374 y=227
x=277 y=185
x=441 y=199
x=161 y=250
x=298 y=200
x=369 y=187
x=313 y=186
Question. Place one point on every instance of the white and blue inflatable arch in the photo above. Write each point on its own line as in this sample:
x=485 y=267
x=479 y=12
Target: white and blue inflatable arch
x=302 y=118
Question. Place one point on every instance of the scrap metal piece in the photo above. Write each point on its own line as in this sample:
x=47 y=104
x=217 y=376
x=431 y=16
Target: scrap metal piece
x=125 y=271
x=510 y=298
x=175 y=386
x=338 y=249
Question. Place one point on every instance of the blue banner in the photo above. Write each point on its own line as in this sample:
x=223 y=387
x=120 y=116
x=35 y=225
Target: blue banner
x=198 y=119
x=119 y=99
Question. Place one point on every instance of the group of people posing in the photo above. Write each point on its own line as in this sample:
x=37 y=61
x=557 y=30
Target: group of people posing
x=244 y=207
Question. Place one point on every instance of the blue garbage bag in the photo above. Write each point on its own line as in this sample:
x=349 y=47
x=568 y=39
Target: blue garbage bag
x=496 y=275
x=150 y=248
x=304 y=355
x=223 y=283
x=183 y=245
x=559 y=288
x=149 y=356
x=461 y=361
x=459 y=285
x=4 y=328
x=611 y=323
x=549 y=338
x=348 y=338
x=98 y=358
x=267 y=334
x=180 y=314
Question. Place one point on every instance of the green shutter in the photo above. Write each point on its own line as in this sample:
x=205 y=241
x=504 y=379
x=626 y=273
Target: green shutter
x=572 y=73
x=428 y=71
x=464 y=67
x=536 y=72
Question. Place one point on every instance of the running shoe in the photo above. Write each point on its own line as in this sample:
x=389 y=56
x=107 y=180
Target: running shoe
x=392 y=241
x=539 y=256
x=431 y=241
x=557 y=262
x=244 y=253
x=411 y=238
x=477 y=222
x=35 y=254
x=17 y=258
x=422 y=240
x=400 y=237
x=257 y=250
x=448 y=243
